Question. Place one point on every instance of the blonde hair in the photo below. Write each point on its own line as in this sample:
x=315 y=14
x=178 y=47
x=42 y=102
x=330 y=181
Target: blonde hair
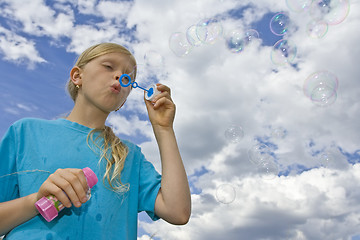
x=114 y=161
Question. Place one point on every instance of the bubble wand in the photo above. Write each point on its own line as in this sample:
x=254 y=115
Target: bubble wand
x=125 y=81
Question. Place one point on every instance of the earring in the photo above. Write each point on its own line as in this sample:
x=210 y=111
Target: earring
x=77 y=86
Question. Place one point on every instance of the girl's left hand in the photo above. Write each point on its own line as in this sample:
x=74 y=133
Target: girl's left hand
x=161 y=109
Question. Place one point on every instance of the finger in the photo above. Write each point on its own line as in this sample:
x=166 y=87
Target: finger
x=82 y=178
x=161 y=102
x=71 y=185
x=161 y=95
x=163 y=88
x=53 y=187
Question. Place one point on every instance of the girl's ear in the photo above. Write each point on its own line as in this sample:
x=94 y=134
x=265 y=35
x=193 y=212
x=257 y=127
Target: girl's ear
x=75 y=75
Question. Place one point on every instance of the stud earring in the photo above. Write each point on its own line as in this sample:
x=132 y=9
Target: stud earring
x=77 y=86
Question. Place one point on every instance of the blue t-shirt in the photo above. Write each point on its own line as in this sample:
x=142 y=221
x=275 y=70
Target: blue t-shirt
x=32 y=149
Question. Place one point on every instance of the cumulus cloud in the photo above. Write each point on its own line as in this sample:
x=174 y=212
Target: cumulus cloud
x=18 y=49
x=317 y=204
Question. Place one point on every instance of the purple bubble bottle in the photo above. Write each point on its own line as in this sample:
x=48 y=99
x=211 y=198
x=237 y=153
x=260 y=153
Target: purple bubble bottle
x=50 y=206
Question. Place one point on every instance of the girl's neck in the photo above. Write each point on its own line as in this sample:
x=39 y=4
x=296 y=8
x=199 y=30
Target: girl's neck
x=88 y=116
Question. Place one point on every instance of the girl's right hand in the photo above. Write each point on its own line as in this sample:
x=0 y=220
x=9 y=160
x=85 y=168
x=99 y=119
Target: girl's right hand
x=69 y=186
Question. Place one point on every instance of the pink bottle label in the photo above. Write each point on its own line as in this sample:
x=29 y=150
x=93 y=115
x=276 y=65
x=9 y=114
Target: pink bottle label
x=58 y=205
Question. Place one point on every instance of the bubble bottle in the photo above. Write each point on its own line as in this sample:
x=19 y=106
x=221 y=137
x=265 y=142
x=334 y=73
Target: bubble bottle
x=50 y=206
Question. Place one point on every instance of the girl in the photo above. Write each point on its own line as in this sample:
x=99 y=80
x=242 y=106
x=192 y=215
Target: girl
x=63 y=147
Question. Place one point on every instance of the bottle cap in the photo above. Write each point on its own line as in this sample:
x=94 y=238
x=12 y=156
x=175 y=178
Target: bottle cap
x=90 y=177
x=151 y=92
x=46 y=208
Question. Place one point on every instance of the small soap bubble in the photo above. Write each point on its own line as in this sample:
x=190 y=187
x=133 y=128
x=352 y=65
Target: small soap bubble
x=225 y=193
x=268 y=169
x=331 y=11
x=259 y=153
x=298 y=5
x=278 y=132
x=153 y=59
x=235 y=41
x=283 y=52
x=234 y=133
x=251 y=35
x=326 y=159
x=192 y=36
x=209 y=30
x=321 y=88
x=317 y=29
x=179 y=44
x=279 y=24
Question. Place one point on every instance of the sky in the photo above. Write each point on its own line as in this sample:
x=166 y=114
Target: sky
x=267 y=127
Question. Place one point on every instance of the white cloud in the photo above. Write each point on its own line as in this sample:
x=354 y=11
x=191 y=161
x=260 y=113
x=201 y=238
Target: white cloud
x=18 y=49
x=318 y=204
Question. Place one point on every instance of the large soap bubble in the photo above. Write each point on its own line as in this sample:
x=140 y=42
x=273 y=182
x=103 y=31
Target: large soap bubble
x=331 y=11
x=321 y=88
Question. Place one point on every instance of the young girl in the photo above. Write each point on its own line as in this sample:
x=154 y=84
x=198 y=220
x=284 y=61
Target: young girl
x=63 y=147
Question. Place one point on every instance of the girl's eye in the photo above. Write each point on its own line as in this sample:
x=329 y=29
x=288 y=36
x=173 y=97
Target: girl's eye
x=108 y=67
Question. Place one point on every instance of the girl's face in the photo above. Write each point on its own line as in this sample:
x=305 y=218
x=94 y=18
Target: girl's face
x=100 y=81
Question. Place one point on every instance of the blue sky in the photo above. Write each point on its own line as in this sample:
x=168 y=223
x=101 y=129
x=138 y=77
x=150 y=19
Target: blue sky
x=312 y=191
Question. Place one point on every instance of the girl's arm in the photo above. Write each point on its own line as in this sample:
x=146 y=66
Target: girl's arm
x=69 y=186
x=16 y=212
x=173 y=203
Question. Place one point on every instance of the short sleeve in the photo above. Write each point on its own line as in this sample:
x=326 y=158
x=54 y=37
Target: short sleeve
x=8 y=182
x=149 y=185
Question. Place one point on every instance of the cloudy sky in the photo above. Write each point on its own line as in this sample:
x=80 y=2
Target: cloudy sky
x=268 y=127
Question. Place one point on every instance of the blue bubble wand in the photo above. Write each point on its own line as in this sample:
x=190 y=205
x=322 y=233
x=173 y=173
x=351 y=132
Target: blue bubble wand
x=125 y=81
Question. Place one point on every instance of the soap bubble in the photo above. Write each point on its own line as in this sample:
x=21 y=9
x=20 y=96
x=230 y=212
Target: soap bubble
x=317 y=29
x=235 y=41
x=321 y=88
x=250 y=36
x=323 y=96
x=298 y=5
x=331 y=11
x=279 y=24
x=225 y=193
x=192 y=36
x=259 y=153
x=154 y=59
x=268 y=169
x=283 y=52
x=179 y=44
x=234 y=133
x=209 y=30
x=278 y=132
x=326 y=159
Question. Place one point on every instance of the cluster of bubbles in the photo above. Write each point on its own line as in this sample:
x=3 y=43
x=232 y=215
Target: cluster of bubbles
x=321 y=88
x=237 y=39
x=284 y=51
x=209 y=31
x=206 y=31
x=323 y=13
x=261 y=156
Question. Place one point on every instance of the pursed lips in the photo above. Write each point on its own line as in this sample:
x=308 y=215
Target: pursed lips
x=115 y=87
